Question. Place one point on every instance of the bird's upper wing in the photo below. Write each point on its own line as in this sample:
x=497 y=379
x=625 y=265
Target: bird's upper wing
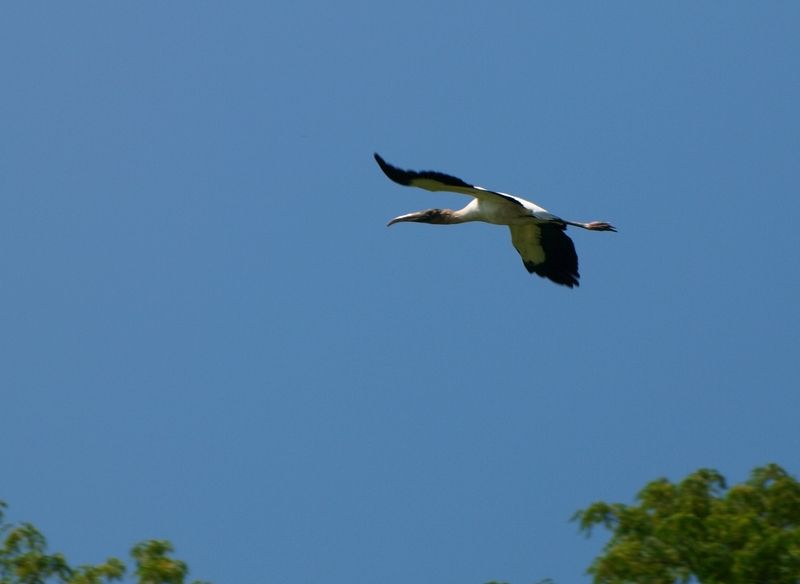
x=547 y=251
x=438 y=181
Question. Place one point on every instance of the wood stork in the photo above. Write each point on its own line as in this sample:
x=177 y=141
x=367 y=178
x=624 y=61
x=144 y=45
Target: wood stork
x=537 y=234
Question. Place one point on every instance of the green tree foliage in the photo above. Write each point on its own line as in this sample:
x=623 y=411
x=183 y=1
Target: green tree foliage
x=699 y=530
x=24 y=559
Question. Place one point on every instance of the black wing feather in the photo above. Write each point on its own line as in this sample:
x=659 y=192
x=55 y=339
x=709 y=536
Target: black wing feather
x=547 y=252
x=408 y=178
x=561 y=260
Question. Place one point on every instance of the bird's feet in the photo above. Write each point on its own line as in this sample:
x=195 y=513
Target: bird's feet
x=600 y=226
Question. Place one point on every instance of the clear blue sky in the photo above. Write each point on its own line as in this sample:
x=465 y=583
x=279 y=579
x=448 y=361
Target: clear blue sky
x=209 y=335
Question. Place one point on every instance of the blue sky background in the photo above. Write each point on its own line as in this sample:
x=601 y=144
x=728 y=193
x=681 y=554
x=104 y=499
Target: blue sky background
x=209 y=335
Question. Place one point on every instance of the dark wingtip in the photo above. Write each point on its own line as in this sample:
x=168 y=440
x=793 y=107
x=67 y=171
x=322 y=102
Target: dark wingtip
x=398 y=175
x=562 y=278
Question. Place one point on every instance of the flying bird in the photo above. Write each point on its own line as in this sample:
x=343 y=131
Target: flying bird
x=538 y=235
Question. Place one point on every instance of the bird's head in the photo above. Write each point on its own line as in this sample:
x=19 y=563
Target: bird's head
x=434 y=216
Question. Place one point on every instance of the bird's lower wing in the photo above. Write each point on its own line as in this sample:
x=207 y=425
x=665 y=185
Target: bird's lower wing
x=547 y=251
x=431 y=180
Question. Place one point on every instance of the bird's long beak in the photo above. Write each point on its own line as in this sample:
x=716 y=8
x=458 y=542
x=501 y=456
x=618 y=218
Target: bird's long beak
x=415 y=216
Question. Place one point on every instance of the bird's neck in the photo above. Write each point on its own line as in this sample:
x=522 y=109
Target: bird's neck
x=461 y=216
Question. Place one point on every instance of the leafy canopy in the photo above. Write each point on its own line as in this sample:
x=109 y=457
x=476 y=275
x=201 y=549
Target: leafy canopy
x=698 y=529
x=24 y=559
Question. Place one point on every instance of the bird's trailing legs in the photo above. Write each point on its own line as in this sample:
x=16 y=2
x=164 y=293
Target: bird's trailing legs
x=593 y=225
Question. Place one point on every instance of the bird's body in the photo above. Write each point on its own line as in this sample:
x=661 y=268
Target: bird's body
x=497 y=211
x=537 y=234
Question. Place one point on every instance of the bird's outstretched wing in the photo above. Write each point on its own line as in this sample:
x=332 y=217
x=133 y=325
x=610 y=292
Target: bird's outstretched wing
x=431 y=180
x=547 y=251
